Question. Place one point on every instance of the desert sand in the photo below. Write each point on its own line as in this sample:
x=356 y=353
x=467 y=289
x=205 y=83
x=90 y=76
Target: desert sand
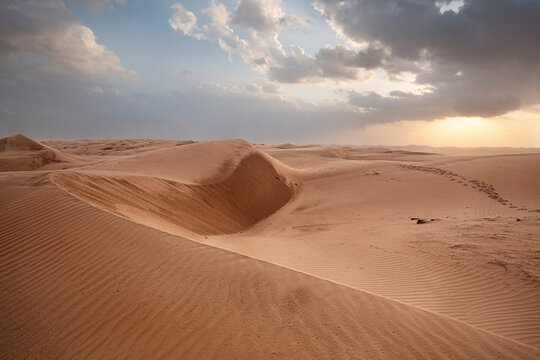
x=151 y=249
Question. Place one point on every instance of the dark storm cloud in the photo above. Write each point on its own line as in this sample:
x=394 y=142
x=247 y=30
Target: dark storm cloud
x=336 y=63
x=29 y=18
x=402 y=106
x=341 y=62
x=483 y=60
x=482 y=31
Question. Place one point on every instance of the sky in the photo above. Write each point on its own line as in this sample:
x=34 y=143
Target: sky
x=374 y=72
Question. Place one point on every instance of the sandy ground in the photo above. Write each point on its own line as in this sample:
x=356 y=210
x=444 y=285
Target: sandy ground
x=153 y=249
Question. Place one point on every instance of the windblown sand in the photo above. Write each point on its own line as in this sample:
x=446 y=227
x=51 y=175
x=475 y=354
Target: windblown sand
x=145 y=249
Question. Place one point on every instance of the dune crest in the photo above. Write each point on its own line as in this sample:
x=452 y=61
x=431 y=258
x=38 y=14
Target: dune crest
x=198 y=163
x=256 y=186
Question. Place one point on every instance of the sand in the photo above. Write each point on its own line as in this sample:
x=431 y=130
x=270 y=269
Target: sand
x=172 y=249
x=19 y=153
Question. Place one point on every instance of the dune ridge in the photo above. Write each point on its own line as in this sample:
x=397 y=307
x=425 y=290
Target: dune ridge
x=254 y=187
x=200 y=163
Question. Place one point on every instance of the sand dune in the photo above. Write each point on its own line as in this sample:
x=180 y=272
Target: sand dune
x=82 y=283
x=315 y=156
x=222 y=250
x=19 y=153
x=199 y=163
x=242 y=188
x=354 y=227
x=19 y=142
x=111 y=147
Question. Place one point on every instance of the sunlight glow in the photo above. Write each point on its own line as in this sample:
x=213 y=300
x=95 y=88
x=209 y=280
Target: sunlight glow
x=464 y=131
x=465 y=124
x=519 y=128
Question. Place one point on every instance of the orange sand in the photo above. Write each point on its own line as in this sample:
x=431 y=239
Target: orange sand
x=163 y=249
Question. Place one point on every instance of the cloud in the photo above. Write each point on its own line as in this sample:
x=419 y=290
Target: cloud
x=292 y=21
x=259 y=15
x=49 y=30
x=297 y=66
x=262 y=87
x=401 y=106
x=61 y=108
x=184 y=20
x=261 y=49
x=341 y=62
x=480 y=58
x=258 y=49
x=338 y=63
x=482 y=30
x=96 y=5
x=264 y=16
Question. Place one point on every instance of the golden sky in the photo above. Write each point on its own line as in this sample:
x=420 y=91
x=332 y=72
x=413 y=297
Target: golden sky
x=516 y=129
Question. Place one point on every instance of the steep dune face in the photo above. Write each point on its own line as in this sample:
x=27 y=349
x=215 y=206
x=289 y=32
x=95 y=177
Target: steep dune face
x=19 y=153
x=256 y=187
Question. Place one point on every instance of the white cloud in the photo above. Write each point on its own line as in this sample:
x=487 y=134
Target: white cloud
x=261 y=49
x=258 y=49
x=49 y=29
x=292 y=21
x=259 y=15
x=184 y=20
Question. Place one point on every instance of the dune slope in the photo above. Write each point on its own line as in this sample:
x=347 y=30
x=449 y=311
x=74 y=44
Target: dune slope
x=325 y=262
x=474 y=262
x=78 y=282
x=255 y=187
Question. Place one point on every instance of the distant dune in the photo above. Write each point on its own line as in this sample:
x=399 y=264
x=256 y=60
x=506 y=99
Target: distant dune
x=146 y=249
x=18 y=143
x=19 y=153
